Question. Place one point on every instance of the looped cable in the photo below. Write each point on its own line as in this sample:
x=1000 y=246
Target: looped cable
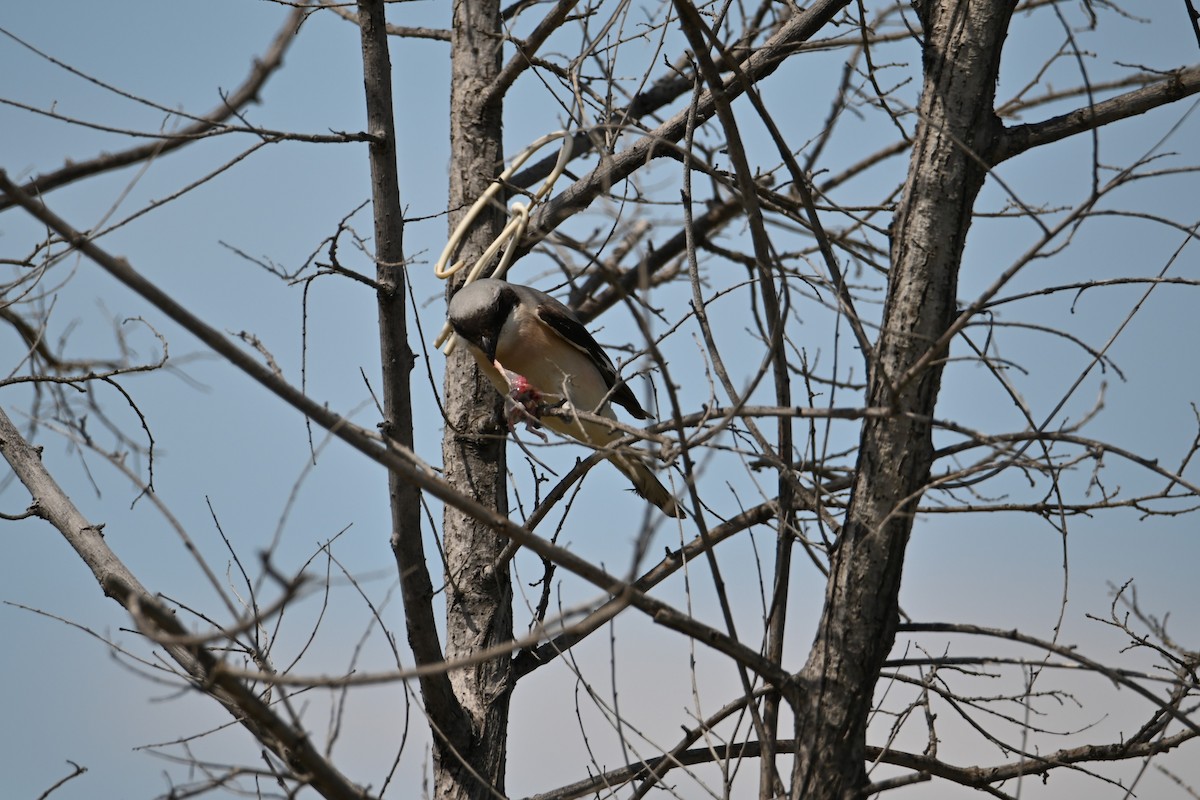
x=513 y=231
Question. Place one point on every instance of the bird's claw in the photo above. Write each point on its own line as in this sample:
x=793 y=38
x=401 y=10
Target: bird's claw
x=523 y=411
x=523 y=403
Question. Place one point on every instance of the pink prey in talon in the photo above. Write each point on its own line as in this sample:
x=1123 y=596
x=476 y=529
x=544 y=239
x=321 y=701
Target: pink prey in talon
x=523 y=403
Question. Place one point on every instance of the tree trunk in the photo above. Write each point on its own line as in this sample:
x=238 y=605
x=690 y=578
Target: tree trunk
x=961 y=57
x=478 y=597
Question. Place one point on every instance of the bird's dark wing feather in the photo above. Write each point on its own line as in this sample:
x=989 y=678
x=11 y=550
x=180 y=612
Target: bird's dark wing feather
x=563 y=321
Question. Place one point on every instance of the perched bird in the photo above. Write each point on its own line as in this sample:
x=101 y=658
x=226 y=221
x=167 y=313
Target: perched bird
x=538 y=354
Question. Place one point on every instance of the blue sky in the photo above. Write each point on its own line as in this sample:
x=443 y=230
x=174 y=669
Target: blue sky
x=226 y=449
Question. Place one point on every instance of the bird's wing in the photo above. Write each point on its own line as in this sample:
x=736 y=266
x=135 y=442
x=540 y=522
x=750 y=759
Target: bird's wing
x=563 y=321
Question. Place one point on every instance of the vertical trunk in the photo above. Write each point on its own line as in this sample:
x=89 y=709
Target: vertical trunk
x=445 y=712
x=961 y=58
x=478 y=598
x=396 y=361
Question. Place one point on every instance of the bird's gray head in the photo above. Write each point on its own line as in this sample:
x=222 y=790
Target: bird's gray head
x=477 y=312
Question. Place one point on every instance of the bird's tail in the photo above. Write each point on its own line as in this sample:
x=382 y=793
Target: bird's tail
x=631 y=465
x=646 y=483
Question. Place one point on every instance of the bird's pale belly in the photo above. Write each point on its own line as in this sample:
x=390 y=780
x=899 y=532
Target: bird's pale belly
x=570 y=375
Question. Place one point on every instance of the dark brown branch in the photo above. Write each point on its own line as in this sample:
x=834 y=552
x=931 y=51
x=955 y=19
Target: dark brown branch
x=397 y=360
x=965 y=776
x=766 y=721
x=627 y=282
x=1194 y=18
x=401 y=31
x=405 y=464
x=1034 y=765
x=1017 y=139
x=288 y=743
x=36 y=342
x=527 y=48
x=762 y=63
x=75 y=773
x=1069 y=653
x=528 y=660
x=262 y=70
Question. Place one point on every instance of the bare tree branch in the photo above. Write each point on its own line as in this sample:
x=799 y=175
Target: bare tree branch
x=200 y=664
x=248 y=92
x=1017 y=139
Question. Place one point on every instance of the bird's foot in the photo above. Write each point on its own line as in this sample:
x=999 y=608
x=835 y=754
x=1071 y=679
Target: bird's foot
x=527 y=412
x=523 y=403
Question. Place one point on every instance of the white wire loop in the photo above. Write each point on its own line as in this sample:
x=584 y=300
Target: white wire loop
x=513 y=231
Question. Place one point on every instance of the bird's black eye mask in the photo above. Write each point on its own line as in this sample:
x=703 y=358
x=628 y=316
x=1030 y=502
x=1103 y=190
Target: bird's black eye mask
x=505 y=303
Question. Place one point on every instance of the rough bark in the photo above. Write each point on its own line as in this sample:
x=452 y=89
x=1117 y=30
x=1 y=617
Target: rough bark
x=478 y=597
x=961 y=58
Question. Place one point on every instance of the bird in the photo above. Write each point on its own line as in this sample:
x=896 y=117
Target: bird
x=537 y=353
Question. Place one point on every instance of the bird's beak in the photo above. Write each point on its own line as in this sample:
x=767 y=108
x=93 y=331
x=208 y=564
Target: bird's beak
x=488 y=345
